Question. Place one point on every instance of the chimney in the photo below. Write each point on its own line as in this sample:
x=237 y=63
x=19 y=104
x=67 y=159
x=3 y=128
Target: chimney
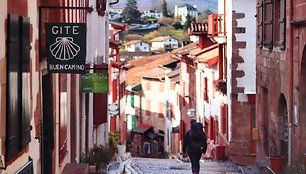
x=195 y=6
x=200 y=30
x=204 y=41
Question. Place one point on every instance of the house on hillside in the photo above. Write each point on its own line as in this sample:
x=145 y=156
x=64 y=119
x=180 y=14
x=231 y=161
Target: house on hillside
x=164 y=43
x=186 y=9
x=115 y=13
x=151 y=13
x=136 y=46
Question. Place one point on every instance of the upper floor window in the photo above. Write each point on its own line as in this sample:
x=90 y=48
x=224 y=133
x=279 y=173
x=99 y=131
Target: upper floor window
x=271 y=23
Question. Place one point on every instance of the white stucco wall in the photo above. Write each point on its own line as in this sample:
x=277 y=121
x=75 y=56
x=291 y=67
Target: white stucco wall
x=97 y=37
x=157 y=45
x=142 y=46
x=248 y=7
x=183 y=11
x=97 y=53
x=172 y=42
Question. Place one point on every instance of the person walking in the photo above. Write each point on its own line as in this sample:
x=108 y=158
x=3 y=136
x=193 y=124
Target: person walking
x=195 y=143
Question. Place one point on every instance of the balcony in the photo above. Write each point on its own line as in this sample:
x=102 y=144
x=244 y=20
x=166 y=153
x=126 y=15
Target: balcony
x=216 y=25
x=198 y=28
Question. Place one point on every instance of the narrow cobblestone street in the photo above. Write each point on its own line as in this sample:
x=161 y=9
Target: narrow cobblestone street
x=174 y=166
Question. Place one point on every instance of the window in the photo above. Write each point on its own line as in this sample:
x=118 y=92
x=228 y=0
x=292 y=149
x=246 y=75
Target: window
x=18 y=86
x=205 y=89
x=282 y=24
x=271 y=23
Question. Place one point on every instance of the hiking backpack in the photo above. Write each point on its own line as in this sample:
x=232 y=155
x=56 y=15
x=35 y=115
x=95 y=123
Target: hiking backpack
x=198 y=138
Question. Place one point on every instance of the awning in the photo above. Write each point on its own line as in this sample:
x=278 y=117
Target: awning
x=142 y=128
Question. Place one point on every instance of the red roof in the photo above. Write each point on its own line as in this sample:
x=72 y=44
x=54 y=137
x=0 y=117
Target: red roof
x=132 y=42
x=133 y=76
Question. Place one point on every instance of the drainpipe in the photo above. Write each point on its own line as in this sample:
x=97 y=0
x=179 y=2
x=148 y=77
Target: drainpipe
x=83 y=133
x=291 y=82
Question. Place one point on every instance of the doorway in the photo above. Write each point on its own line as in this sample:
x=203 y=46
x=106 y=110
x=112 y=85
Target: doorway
x=283 y=126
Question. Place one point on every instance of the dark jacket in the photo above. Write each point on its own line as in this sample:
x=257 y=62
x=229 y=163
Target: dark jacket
x=187 y=140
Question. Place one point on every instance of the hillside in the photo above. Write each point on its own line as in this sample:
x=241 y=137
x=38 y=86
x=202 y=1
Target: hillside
x=202 y=5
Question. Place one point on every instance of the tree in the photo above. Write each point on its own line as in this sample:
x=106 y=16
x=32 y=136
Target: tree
x=130 y=13
x=165 y=21
x=187 y=23
x=165 y=9
x=202 y=17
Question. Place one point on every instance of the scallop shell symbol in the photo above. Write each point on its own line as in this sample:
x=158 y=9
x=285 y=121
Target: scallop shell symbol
x=64 y=48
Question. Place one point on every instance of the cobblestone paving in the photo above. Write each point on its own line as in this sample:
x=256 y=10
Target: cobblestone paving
x=172 y=166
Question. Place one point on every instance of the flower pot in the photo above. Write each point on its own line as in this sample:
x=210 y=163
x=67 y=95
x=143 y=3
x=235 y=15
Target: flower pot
x=220 y=152
x=276 y=162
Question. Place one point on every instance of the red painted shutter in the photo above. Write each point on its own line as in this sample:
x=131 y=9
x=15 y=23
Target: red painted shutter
x=205 y=89
x=100 y=108
x=113 y=124
x=115 y=89
x=100 y=100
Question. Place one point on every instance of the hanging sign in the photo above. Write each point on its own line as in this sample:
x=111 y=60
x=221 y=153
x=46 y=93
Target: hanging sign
x=66 y=47
x=94 y=83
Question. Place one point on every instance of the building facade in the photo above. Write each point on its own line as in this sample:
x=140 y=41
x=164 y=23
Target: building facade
x=235 y=33
x=184 y=10
x=280 y=65
x=164 y=43
x=136 y=46
x=45 y=126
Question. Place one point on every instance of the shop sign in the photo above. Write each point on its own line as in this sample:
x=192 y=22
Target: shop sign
x=66 y=47
x=94 y=83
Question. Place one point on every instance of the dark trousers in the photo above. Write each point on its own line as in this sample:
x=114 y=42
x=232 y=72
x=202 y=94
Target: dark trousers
x=195 y=162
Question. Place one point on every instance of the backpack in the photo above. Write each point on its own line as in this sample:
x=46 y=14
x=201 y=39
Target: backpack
x=198 y=138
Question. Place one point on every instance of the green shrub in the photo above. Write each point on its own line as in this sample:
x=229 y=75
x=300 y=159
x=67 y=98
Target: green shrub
x=99 y=156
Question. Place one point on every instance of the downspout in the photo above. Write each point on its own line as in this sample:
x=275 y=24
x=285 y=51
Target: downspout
x=290 y=117
x=83 y=133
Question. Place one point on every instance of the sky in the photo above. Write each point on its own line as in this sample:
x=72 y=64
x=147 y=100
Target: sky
x=202 y=5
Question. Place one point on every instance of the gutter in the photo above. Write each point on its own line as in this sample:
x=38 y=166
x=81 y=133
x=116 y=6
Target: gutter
x=290 y=117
